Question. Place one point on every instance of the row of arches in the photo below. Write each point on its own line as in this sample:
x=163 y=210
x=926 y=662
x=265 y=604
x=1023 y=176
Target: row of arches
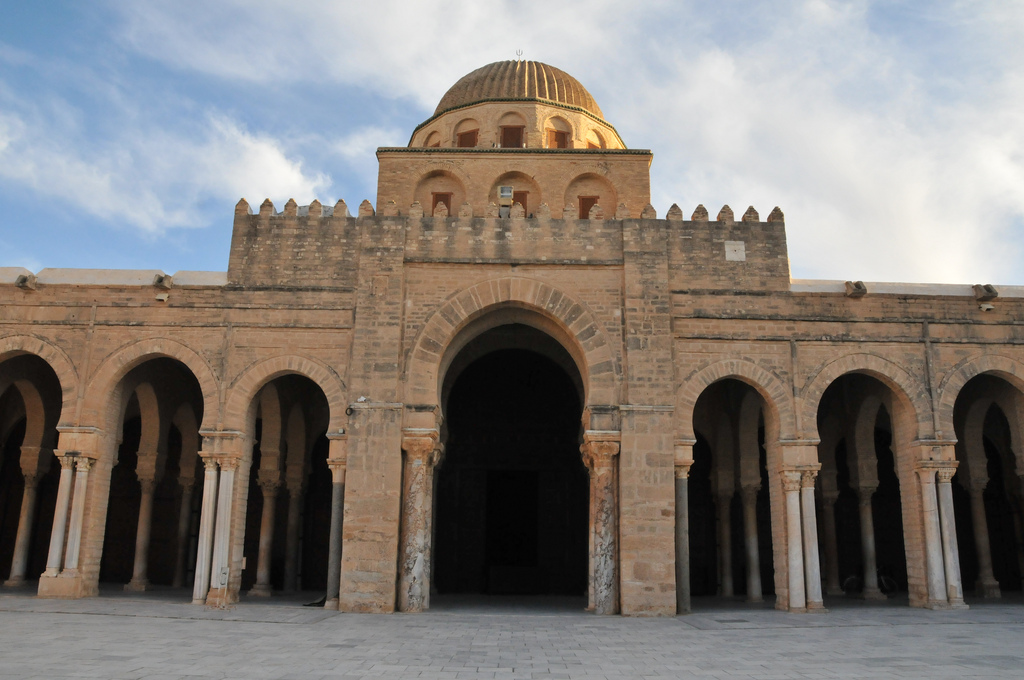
x=439 y=188
x=511 y=130
x=862 y=483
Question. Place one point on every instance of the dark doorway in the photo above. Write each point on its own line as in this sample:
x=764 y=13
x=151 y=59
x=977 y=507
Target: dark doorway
x=512 y=493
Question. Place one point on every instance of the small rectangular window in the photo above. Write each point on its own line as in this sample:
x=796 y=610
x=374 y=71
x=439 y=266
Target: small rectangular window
x=467 y=139
x=512 y=136
x=520 y=197
x=439 y=198
x=558 y=139
x=586 y=203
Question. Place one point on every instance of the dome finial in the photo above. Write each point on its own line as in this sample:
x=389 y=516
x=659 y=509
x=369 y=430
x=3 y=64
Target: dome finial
x=519 y=55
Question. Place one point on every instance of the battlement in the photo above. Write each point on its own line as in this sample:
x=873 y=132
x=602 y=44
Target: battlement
x=319 y=246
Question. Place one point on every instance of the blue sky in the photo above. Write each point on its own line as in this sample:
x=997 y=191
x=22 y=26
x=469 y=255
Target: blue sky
x=890 y=133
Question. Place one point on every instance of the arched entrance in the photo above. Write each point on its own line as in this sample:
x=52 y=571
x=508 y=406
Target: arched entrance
x=512 y=491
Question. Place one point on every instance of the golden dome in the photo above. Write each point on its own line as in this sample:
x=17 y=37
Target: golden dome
x=519 y=80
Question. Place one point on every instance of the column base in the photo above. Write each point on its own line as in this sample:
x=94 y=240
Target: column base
x=958 y=604
x=17 y=582
x=331 y=604
x=816 y=608
x=834 y=590
x=260 y=590
x=63 y=587
x=755 y=600
x=874 y=595
x=220 y=598
x=986 y=589
x=137 y=586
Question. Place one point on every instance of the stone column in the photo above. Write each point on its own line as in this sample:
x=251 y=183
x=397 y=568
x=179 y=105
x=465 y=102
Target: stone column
x=184 y=515
x=140 y=571
x=791 y=488
x=987 y=586
x=723 y=504
x=24 y=538
x=82 y=467
x=682 y=539
x=291 y=546
x=421 y=455
x=220 y=570
x=337 y=526
x=204 y=549
x=55 y=557
x=754 y=593
x=867 y=544
x=937 y=597
x=269 y=487
x=828 y=506
x=812 y=562
x=947 y=525
x=604 y=492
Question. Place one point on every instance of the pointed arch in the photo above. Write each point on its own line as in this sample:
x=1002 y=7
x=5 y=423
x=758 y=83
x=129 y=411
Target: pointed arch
x=244 y=388
x=529 y=301
x=100 y=390
x=1007 y=368
x=908 y=390
x=55 y=357
x=771 y=388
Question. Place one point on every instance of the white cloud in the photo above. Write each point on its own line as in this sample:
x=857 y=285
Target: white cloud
x=150 y=178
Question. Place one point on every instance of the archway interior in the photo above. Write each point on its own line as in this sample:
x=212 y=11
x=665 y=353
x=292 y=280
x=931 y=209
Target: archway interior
x=986 y=442
x=512 y=492
x=17 y=419
x=171 y=385
x=721 y=468
x=290 y=445
x=858 y=403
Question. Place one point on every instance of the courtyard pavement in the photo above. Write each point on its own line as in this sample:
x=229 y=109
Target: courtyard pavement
x=158 y=635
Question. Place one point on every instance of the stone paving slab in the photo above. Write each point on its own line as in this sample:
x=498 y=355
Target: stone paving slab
x=153 y=638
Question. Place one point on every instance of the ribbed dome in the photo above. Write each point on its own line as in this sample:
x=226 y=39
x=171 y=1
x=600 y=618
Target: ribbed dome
x=519 y=80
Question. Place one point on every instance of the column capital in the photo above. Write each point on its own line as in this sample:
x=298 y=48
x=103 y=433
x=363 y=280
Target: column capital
x=945 y=474
x=83 y=464
x=229 y=463
x=269 y=486
x=599 y=452
x=422 y=446
x=750 y=491
x=791 y=480
x=682 y=471
x=807 y=478
x=187 y=483
x=148 y=484
x=66 y=462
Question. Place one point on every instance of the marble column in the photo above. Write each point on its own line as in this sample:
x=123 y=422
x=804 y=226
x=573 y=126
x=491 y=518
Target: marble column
x=947 y=525
x=754 y=593
x=867 y=544
x=269 y=487
x=828 y=506
x=220 y=571
x=682 y=540
x=335 y=540
x=603 y=457
x=794 y=546
x=812 y=562
x=55 y=557
x=19 y=562
x=82 y=467
x=723 y=505
x=140 y=571
x=296 y=490
x=987 y=586
x=204 y=549
x=414 y=541
x=184 y=516
x=937 y=597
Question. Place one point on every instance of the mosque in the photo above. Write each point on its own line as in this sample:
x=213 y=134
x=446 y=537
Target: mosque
x=510 y=377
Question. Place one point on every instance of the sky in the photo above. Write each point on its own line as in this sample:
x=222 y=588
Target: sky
x=891 y=134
